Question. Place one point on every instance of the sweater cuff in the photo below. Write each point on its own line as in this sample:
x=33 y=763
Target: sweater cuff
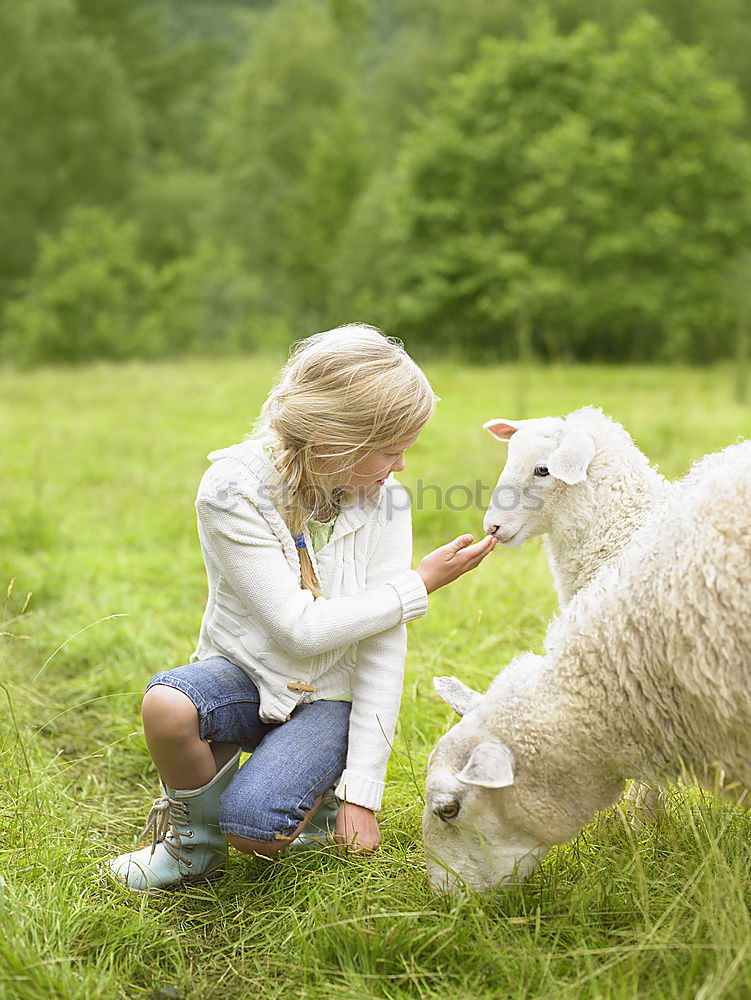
x=412 y=593
x=359 y=790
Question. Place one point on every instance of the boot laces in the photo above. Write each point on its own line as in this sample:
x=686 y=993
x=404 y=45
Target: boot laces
x=165 y=817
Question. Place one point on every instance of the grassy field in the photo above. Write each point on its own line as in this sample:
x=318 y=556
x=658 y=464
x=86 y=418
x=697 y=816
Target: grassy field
x=99 y=470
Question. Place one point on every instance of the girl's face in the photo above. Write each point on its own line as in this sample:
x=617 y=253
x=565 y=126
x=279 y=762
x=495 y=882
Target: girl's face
x=374 y=468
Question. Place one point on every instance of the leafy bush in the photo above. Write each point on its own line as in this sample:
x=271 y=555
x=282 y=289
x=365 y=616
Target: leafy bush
x=92 y=295
x=85 y=296
x=205 y=302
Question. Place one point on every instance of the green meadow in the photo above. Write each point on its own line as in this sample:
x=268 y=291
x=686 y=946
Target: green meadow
x=99 y=471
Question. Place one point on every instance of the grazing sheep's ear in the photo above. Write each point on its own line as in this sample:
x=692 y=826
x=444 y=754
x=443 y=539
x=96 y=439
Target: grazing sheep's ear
x=456 y=695
x=500 y=428
x=491 y=765
x=570 y=461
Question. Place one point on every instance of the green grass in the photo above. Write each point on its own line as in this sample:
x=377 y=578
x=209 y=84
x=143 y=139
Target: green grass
x=99 y=470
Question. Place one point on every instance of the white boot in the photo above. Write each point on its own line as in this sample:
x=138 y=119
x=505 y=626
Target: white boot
x=187 y=844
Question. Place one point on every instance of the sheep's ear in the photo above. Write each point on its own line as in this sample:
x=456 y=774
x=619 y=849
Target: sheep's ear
x=456 y=695
x=491 y=765
x=500 y=428
x=570 y=461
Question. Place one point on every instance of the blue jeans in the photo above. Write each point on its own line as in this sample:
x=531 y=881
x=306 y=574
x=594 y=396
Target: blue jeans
x=290 y=764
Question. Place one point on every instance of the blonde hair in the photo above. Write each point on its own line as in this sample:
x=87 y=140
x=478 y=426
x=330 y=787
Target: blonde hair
x=342 y=394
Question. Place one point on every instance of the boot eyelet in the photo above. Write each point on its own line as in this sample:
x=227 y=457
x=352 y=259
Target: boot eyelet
x=189 y=834
x=189 y=864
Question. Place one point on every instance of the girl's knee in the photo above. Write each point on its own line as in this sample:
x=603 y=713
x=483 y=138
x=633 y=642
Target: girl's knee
x=166 y=710
x=259 y=822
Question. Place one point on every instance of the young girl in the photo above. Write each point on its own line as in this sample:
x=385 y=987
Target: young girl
x=307 y=543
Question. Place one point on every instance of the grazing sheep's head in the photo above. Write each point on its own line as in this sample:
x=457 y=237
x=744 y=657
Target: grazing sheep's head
x=502 y=786
x=546 y=456
x=468 y=838
x=473 y=831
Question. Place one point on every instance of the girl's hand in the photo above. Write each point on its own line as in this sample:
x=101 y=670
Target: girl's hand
x=356 y=828
x=446 y=564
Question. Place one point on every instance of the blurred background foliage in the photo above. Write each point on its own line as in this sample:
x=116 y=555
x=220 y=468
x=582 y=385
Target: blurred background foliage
x=568 y=180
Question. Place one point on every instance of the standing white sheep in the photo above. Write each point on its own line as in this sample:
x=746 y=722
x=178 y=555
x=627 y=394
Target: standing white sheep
x=579 y=480
x=646 y=674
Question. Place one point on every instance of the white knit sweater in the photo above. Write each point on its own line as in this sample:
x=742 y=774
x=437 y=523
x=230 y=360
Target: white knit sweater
x=351 y=640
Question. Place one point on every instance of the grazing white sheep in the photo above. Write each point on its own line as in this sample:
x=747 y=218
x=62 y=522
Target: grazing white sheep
x=581 y=481
x=646 y=674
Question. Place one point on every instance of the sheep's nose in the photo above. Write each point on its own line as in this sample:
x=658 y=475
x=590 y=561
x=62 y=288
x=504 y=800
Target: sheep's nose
x=492 y=528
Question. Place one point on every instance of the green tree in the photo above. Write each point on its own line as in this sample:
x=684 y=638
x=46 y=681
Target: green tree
x=69 y=131
x=289 y=150
x=173 y=204
x=721 y=27
x=173 y=81
x=583 y=196
x=420 y=44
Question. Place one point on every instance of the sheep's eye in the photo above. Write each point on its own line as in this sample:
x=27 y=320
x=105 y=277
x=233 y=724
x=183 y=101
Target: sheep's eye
x=448 y=811
x=541 y=470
